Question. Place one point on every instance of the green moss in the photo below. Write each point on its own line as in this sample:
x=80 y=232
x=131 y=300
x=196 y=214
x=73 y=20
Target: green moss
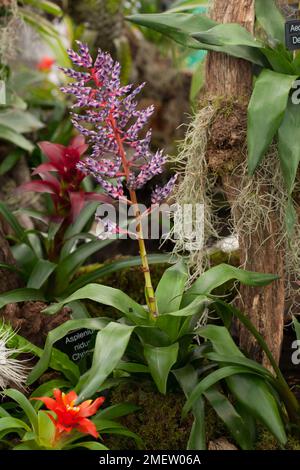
x=160 y=426
x=112 y=6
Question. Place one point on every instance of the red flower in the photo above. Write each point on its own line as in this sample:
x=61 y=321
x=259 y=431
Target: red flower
x=70 y=416
x=64 y=185
x=45 y=64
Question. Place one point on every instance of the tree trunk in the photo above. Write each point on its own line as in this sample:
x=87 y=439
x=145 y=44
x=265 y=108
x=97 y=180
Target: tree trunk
x=231 y=79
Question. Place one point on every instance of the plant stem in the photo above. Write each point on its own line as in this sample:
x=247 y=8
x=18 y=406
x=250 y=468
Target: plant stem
x=150 y=294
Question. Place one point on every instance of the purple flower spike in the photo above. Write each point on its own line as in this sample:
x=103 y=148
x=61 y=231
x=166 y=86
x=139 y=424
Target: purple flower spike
x=161 y=194
x=108 y=116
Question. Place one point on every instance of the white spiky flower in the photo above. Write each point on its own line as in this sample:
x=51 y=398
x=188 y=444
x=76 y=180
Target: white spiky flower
x=13 y=372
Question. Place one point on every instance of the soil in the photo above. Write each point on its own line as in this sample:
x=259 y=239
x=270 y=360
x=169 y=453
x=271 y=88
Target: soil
x=31 y=323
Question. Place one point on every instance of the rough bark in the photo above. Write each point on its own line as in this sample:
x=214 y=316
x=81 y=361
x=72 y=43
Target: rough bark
x=231 y=79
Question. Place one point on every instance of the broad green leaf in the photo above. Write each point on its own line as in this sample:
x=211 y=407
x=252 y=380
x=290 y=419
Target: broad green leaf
x=106 y=296
x=110 y=347
x=171 y=287
x=198 y=302
x=265 y=113
x=20 y=295
x=256 y=397
x=209 y=381
x=6 y=133
x=270 y=18
x=26 y=406
x=187 y=377
x=160 y=362
x=219 y=275
x=112 y=267
x=227 y=35
x=46 y=429
x=177 y=26
x=221 y=340
x=41 y=273
x=57 y=334
x=133 y=367
x=12 y=423
x=20 y=121
x=288 y=146
x=240 y=361
x=231 y=418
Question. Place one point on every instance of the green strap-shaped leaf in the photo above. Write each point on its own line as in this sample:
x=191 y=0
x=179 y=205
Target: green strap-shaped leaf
x=177 y=26
x=90 y=445
x=180 y=27
x=288 y=145
x=160 y=362
x=209 y=381
x=117 y=411
x=57 y=334
x=26 y=406
x=17 y=139
x=111 y=344
x=171 y=287
x=227 y=35
x=187 y=377
x=41 y=273
x=265 y=113
x=106 y=296
x=112 y=267
x=270 y=18
x=20 y=295
x=12 y=423
x=256 y=397
x=231 y=418
x=219 y=275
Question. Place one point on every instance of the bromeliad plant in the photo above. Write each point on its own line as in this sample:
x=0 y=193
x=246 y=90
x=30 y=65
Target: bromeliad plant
x=278 y=69
x=158 y=339
x=47 y=260
x=65 y=426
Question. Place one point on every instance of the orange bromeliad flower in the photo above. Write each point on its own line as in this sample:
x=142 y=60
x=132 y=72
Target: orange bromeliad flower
x=70 y=416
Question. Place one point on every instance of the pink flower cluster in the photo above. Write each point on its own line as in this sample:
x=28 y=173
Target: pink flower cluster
x=108 y=117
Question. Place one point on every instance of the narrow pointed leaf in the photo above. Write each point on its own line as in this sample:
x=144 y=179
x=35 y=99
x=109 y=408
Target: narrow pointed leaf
x=20 y=295
x=110 y=347
x=227 y=35
x=187 y=377
x=219 y=275
x=288 y=145
x=256 y=397
x=105 y=296
x=270 y=18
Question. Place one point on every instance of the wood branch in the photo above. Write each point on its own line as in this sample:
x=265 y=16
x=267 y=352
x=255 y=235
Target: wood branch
x=231 y=79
